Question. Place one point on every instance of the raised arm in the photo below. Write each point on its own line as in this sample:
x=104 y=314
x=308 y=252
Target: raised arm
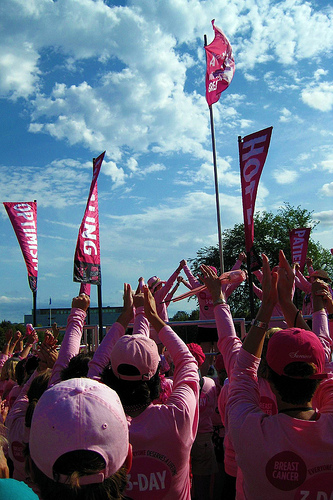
x=70 y=345
x=102 y=355
x=291 y=314
x=228 y=342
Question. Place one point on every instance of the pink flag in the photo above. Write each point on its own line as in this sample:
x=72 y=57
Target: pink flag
x=87 y=263
x=253 y=150
x=220 y=66
x=23 y=217
x=299 y=239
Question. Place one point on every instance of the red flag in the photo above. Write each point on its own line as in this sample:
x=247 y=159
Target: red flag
x=87 y=263
x=220 y=66
x=299 y=239
x=253 y=150
x=23 y=217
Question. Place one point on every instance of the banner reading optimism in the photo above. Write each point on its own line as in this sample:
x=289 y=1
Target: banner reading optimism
x=87 y=263
x=23 y=217
x=299 y=239
x=253 y=151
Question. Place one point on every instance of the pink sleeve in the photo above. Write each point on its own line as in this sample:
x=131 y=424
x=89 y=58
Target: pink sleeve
x=229 y=288
x=160 y=294
x=103 y=353
x=228 y=343
x=185 y=388
x=70 y=345
x=193 y=282
x=320 y=328
x=19 y=408
x=243 y=397
x=141 y=323
x=302 y=283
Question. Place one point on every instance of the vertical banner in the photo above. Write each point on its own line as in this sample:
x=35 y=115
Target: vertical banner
x=87 y=264
x=23 y=217
x=220 y=66
x=299 y=239
x=253 y=151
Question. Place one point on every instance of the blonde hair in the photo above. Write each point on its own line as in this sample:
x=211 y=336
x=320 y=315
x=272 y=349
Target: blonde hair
x=8 y=369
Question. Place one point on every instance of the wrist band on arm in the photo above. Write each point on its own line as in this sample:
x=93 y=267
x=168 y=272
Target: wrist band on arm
x=259 y=324
x=219 y=301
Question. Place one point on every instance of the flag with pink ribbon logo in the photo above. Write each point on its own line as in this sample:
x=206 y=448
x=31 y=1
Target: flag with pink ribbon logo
x=87 y=263
x=23 y=217
x=220 y=66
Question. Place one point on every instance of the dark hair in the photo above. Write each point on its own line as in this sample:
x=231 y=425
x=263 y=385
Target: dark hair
x=132 y=393
x=298 y=391
x=77 y=366
x=75 y=464
x=37 y=388
x=20 y=371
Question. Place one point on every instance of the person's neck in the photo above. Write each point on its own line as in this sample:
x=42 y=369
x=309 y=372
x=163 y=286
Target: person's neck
x=303 y=412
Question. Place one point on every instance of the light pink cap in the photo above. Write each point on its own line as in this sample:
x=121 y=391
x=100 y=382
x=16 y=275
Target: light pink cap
x=138 y=351
x=79 y=414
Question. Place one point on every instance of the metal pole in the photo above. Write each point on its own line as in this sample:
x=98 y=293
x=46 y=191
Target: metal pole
x=100 y=312
x=34 y=307
x=217 y=197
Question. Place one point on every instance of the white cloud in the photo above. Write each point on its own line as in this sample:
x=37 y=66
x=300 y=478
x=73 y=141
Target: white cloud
x=325 y=217
x=319 y=96
x=285 y=175
x=327 y=189
x=328 y=164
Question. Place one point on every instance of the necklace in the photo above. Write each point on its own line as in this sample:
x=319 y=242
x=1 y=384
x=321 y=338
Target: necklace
x=298 y=408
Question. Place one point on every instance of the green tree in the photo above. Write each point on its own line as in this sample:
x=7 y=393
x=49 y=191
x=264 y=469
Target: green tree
x=271 y=233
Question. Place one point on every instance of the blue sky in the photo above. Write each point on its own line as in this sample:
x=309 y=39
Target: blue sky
x=81 y=77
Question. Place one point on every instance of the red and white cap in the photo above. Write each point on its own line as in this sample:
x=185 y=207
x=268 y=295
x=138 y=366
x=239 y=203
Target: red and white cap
x=79 y=414
x=136 y=350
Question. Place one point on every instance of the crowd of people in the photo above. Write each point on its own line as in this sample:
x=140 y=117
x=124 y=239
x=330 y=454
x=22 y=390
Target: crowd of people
x=147 y=416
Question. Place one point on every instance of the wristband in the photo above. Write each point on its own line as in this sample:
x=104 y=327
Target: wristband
x=259 y=324
x=219 y=301
x=330 y=316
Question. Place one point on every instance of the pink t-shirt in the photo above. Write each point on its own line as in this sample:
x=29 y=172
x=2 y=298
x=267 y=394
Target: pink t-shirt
x=280 y=456
x=163 y=434
x=207 y=405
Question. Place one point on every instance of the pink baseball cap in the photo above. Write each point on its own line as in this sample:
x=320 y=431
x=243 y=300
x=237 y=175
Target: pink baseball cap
x=136 y=350
x=294 y=345
x=79 y=414
x=153 y=282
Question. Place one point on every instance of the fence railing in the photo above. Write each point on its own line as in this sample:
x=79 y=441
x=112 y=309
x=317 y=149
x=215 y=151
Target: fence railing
x=90 y=336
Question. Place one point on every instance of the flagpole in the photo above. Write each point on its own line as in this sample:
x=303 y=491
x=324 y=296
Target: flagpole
x=217 y=197
x=100 y=312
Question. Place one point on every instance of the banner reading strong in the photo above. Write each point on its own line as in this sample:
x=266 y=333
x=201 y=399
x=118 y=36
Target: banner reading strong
x=23 y=217
x=253 y=150
x=87 y=263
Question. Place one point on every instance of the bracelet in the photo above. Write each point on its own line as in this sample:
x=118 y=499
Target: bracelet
x=259 y=324
x=295 y=320
x=330 y=316
x=219 y=301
